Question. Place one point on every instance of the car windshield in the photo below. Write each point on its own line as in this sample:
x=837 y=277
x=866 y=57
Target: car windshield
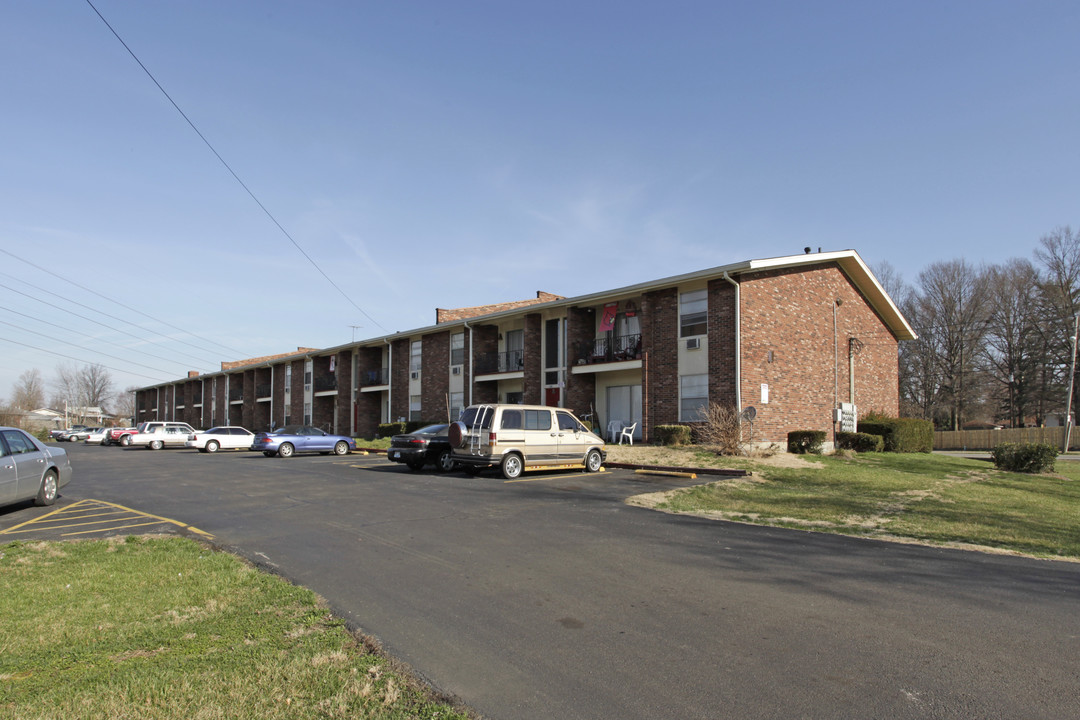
x=431 y=430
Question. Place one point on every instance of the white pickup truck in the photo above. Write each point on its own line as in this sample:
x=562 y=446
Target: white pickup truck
x=156 y=435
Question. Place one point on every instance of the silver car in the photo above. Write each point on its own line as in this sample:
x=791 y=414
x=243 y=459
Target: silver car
x=29 y=469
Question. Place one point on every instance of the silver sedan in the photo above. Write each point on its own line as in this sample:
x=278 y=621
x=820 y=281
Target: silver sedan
x=30 y=469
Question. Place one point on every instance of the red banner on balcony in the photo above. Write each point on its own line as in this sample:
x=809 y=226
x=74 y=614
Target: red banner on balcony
x=607 y=322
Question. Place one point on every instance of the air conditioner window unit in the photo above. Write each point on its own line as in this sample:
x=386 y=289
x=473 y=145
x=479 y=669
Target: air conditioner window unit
x=414 y=374
x=693 y=343
x=456 y=370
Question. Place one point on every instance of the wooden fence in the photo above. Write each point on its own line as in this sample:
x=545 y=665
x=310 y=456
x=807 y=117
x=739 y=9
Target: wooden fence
x=987 y=439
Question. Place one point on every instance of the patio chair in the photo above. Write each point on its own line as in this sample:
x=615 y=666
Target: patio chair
x=627 y=434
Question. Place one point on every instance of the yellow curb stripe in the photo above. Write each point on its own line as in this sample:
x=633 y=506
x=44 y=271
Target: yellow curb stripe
x=668 y=473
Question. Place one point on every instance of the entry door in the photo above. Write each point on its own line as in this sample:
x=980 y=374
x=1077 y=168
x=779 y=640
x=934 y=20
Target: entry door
x=623 y=410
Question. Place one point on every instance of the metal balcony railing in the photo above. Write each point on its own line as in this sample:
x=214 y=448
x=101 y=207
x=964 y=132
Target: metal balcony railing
x=622 y=347
x=375 y=377
x=511 y=361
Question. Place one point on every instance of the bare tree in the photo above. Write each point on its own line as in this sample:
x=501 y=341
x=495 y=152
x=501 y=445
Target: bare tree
x=951 y=299
x=1059 y=296
x=1014 y=348
x=85 y=387
x=123 y=403
x=28 y=393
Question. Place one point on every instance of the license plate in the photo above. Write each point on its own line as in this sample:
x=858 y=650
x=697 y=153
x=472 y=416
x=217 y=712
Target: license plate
x=394 y=455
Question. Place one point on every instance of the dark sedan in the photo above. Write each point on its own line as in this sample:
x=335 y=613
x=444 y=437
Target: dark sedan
x=291 y=439
x=427 y=445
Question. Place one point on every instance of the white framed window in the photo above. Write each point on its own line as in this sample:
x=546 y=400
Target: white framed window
x=693 y=397
x=414 y=407
x=693 y=313
x=307 y=413
x=457 y=404
x=457 y=348
x=416 y=351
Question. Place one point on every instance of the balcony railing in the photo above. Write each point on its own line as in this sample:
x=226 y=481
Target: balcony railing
x=622 y=347
x=262 y=390
x=236 y=394
x=323 y=384
x=375 y=377
x=511 y=361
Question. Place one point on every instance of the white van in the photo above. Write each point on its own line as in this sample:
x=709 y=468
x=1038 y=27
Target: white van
x=520 y=437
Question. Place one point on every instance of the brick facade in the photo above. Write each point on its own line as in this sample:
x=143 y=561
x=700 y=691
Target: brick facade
x=800 y=353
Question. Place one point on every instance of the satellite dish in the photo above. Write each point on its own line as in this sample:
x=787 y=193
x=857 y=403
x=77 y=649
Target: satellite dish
x=749 y=413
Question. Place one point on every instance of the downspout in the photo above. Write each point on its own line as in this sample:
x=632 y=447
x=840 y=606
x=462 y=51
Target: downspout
x=389 y=381
x=738 y=341
x=466 y=324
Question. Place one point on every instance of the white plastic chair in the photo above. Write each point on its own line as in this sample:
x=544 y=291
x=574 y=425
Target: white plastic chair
x=627 y=434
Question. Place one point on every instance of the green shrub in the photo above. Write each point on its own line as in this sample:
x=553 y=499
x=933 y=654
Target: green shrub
x=805 y=441
x=1024 y=457
x=860 y=442
x=673 y=434
x=901 y=434
x=42 y=434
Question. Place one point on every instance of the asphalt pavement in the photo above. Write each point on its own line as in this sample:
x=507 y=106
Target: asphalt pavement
x=551 y=597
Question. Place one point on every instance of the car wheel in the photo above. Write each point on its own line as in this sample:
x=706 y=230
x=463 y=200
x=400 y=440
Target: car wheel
x=212 y=446
x=593 y=461
x=286 y=450
x=512 y=466
x=156 y=444
x=125 y=440
x=47 y=493
x=445 y=461
x=341 y=448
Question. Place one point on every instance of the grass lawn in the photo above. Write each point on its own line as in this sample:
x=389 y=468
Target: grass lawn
x=148 y=627
x=922 y=497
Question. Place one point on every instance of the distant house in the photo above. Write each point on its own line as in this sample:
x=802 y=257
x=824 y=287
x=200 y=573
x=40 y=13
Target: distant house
x=795 y=338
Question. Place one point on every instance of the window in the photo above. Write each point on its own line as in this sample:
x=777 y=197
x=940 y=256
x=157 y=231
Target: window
x=414 y=407
x=568 y=422
x=457 y=404
x=457 y=349
x=307 y=413
x=515 y=350
x=511 y=420
x=537 y=419
x=693 y=313
x=515 y=398
x=416 y=351
x=693 y=397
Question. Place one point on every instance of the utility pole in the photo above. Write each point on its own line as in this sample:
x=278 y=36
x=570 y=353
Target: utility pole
x=1072 y=376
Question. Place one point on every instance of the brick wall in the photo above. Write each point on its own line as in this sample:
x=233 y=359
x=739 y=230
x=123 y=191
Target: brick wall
x=343 y=424
x=722 y=323
x=534 y=390
x=485 y=341
x=659 y=342
x=790 y=315
x=580 y=332
x=399 y=380
x=435 y=371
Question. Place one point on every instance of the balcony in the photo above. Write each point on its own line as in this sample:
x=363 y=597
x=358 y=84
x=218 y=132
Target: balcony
x=236 y=394
x=504 y=362
x=262 y=390
x=325 y=384
x=609 y=349
x=375 y=377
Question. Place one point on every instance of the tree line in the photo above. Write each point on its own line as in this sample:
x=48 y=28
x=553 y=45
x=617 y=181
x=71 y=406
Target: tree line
x=996 y=342
x=70 y=387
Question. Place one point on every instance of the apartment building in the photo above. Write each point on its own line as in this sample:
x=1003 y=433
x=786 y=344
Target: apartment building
x=807 y=341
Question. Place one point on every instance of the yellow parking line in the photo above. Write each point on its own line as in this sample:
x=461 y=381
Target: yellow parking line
x=551 y=477
x=68 y=517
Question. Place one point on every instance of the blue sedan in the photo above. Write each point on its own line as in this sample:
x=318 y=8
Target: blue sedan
x=291 y=439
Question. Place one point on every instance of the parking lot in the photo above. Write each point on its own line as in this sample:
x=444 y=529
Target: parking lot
x=550 y=597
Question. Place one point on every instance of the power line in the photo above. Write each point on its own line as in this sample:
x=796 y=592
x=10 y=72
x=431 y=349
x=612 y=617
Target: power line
x=126 y=307
x=231 y=171
x=90 y=319
x=83 y=347
x=69 y=357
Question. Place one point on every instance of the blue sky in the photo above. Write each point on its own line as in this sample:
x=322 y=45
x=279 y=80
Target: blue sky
x=456 y=153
